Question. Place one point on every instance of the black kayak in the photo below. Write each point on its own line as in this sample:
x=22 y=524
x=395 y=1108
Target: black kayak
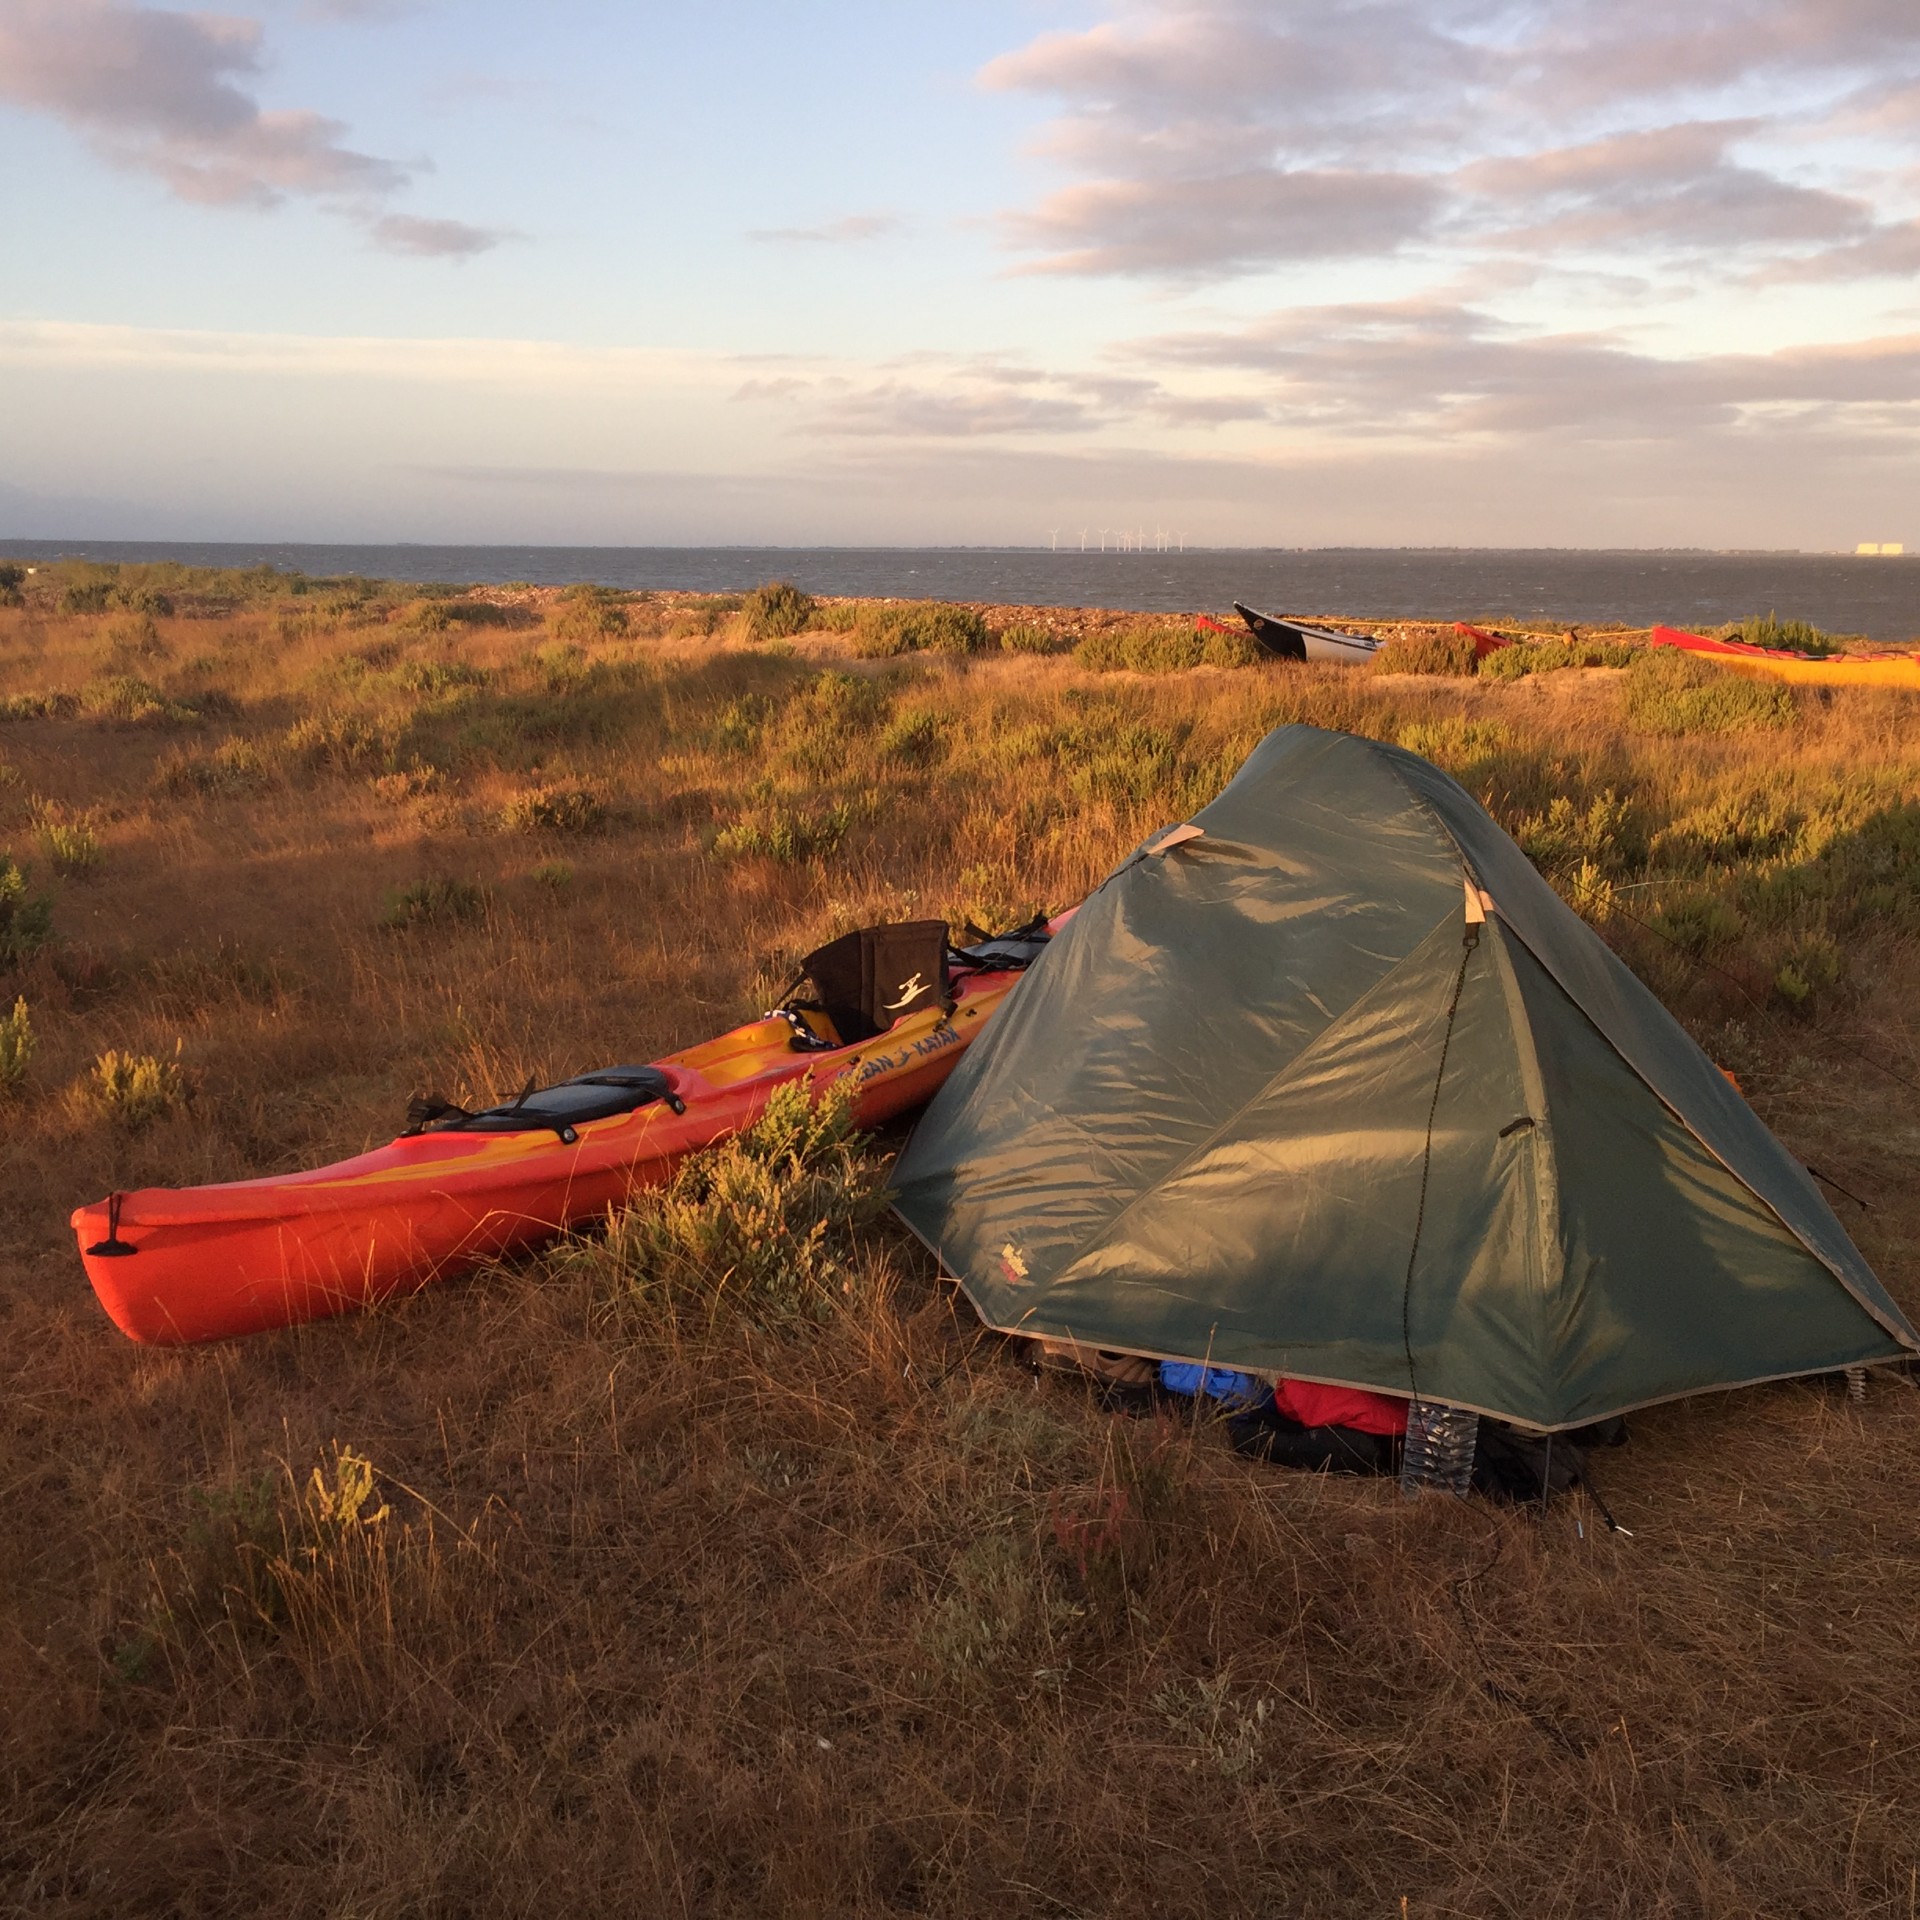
x=1297 y=640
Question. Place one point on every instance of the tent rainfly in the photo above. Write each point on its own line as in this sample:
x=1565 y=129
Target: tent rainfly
x=1329 y=1083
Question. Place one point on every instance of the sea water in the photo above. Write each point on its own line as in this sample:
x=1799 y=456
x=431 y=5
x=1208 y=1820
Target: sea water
x=1875 y=597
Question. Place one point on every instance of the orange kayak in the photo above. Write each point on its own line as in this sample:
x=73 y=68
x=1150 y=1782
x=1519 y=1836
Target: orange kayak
x=1806 y=670
x=174 y=1266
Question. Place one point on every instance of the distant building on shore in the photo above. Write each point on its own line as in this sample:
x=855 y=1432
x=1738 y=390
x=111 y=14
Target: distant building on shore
x=1887 y=549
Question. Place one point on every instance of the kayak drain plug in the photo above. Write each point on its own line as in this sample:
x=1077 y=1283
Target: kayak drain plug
x=112 y=1247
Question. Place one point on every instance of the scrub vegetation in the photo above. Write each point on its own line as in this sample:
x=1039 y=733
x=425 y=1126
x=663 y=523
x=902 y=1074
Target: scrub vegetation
x=718 y=1563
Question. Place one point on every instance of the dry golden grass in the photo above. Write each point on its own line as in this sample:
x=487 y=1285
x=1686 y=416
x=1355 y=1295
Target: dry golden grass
x=681 y=1606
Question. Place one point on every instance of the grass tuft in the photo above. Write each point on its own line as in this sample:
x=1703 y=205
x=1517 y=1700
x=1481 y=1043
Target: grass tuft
x=26 y=918
x=336 y=743
x=17 y=1044
x=135 y=1089
x=72 y=846
x=769 y=1223
x=1781 y=636
x=438 y=902
x=785 y=832
x=234 y=766
x=556 y=810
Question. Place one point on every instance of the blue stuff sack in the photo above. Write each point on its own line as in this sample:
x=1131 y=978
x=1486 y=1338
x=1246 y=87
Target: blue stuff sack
x=1216 y=1383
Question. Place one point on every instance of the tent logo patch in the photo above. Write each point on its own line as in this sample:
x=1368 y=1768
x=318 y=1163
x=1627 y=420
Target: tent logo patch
x=1013 y=1265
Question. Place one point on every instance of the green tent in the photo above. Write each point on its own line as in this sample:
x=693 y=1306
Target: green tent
x=1329 y=1083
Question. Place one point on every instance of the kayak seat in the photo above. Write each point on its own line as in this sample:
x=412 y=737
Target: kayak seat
x=561 y=1109
x=867 y=980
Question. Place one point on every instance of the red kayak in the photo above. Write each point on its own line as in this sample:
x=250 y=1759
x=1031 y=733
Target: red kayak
x=178 y=1265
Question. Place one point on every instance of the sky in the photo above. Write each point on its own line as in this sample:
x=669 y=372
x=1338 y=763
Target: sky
x=1303 y=273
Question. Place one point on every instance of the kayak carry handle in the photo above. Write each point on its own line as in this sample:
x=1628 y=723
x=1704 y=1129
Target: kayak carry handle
x=112 y=1247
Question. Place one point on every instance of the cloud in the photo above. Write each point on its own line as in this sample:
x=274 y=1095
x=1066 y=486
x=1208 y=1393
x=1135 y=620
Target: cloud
x=1394 y=423
x=908 y=410
x=169 y=94
x=1668 y=187
x=849 y=231
x=984 y=396
x=158 y=91
x=1417 y=370
x=434 y=239
x=362 y=9
x=1178 y=226
x=1218 y=137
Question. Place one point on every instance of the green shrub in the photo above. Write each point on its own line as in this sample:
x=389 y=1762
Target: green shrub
x=1813 y=968
x=1526 y=657
x=777 y=610
x=1117 y=759
x=1780 y=636
x=335 y=743
x=918 y=626
x=147 y=602
x=408 y=783
x=739 y=725
x=827 y=711
x=430 y=903
x=39 y=706
x=235 y=766
x=554 y=810
x=72 y=846
x=1604 y=834
x=12 y=576
x=1460 y=746
x=131 y=636
x=438 y=616
x=562 y=666
x=1698 y=923
x=17 y=1043
x=917 y=739
x=786 y=833
x=135 y=1088
x=936 y=628
x=555 y=875
x=26 y=919
x=1443 y=653
x=1164 y=646
x=432 y=678
x=879 y=630
x=588 y=613
x=85 y=596
x=702 y=614
x=1024 y=637
x=769 y=1221
x=122 y=696
x=1676 y=693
